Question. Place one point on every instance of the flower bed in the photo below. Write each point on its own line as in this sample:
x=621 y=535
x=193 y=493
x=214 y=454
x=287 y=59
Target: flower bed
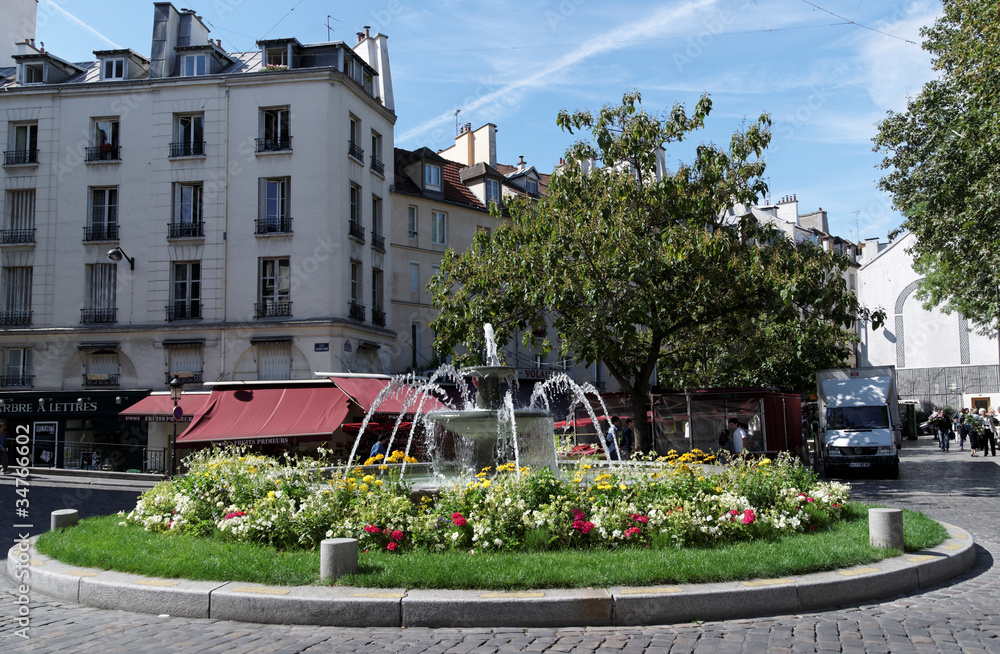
x=672 y=501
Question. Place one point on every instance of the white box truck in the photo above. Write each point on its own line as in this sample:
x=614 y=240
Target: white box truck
x=859 y=425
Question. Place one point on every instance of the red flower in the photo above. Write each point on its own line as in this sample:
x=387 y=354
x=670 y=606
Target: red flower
x=459 y=521
x=748 y=517
x=631 y=531
x=235 y=514
x=640 y=518
x=587 y=526
x=809 y=499
x=396 y=536
x=733 y=512
x=392 y=547
x=372 y=529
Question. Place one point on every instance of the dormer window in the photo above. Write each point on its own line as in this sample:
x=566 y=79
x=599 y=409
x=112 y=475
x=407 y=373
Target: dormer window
x=32 y=73
x=531 y=186
x=113 y=69
x=348 y=66
x=492 y=191
x=194 y=64
x=276 y=57
x=432 y=177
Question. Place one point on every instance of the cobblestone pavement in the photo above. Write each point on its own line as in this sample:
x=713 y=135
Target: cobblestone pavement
x=960 y=616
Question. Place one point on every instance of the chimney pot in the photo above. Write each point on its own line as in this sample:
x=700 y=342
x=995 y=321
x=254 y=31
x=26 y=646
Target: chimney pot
x=367 y=27
x=361 y=36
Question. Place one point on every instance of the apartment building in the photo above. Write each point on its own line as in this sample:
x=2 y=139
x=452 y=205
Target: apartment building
x=194 y=214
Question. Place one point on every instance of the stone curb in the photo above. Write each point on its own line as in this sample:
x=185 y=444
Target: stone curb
x=339 y=606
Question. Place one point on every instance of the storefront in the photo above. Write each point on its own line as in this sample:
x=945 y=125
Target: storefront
x=78 y=429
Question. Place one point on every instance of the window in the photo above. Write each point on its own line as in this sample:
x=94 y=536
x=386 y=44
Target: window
x=106 y=146
x=432 y=177
x=189 y=136
x=414 y=277
x=377 y=164
x=20 y=217
x=18 y=372
x=23 y=140
x=185 y=301
x=113 y=69
x=100 y=296
x=411 y=223
x=378 y=308
x=273 y=212
x=378 y=239
x=194 y=64
x=355 y=229
x=187 y=211
x=274 y=130
x=532 y=186
x=275 y=285
x=16 y=296
x=276 y=57
x=348 y=66
x=274 y=360
x=355 y=280
x=102 y=368
x=414 y=343
x=492 y=191
x=539 y=361
x=103 y=224
x=32 y=73
x=185 y=362
x=367 y=84
x=439 y=228
x=354 y=140
x=436 y=275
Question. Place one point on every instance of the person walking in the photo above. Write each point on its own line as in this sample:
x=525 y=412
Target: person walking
x=627 y=442
x=611 y=440
x=739 y=435
x=962 y=427
x=989 y=440
x=940 y=423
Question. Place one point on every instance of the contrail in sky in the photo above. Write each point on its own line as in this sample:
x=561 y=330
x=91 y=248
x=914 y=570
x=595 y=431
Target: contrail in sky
x=79 y=23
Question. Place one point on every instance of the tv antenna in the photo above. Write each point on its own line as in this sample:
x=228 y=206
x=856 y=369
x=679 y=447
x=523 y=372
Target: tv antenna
x=456 y=121
x=857 y=227
x=328 y=27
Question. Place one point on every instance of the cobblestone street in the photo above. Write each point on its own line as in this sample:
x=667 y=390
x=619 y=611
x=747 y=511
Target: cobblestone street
x=960 y=616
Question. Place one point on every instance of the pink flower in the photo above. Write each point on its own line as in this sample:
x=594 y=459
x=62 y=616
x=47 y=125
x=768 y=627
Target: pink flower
x=733 y=512
x=397 y=536
x=640 y=518
x=748 y=517
x=392 y=547
x=456 y=515
x=459 y=521
x=235 y=514
x=587 y=526
x=835 y=505
x=809 y=499
x=372 y=529
x=631 y=531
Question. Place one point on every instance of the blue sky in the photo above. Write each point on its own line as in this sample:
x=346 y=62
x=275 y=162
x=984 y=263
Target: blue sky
x=826 y=71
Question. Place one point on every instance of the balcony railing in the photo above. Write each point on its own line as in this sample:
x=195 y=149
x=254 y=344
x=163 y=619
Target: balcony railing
x=275 y=225
x=378 y=317
x=104 y=153
x=98 y=315
x=356 y=151
x=100 y=233
x=378 y=241
x=16 y=236
x=8 y=381
x=18 y=157
x=100 y=379
x=183 y=311
x=193 y=378
x=274 y=145
x=272 y=309
x=186 y=230
x=15 y=318
x=357 y=312
x=378 y=166
x=356 y=230
x=184 y=149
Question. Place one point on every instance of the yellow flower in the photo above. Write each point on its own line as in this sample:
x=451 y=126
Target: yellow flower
x=621 y=486
x=270 y=494
x=368 y=479
x=764 y=462
x=586 y=466
x=377 y=482
x=383 y=467
x=486 y=483
x=577 y=480
x=363 y=487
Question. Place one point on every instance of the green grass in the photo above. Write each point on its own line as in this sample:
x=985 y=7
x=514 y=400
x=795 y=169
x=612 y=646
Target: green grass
x=101 y=543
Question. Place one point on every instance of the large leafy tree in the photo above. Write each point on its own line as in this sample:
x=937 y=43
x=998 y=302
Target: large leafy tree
x=635 y=266
x=943 y=164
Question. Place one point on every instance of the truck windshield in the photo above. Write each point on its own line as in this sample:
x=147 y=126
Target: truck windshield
x=857 y=417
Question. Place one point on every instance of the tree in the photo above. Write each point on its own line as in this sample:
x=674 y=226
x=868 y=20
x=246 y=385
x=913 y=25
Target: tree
x=944 y=165
x=636 y=267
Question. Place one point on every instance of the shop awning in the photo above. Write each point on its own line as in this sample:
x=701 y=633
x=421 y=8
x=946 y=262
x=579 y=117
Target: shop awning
x=256 y=414
x=376 y=427
x=160 y=408
x=404 y=399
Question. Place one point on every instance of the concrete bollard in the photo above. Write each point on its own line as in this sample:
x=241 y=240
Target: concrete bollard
x=337 y=557
x=885 y=528
x=64 y=518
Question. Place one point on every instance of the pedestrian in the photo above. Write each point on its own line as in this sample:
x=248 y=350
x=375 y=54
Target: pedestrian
x=4 y=457
x=611 y=439
x=380 y=447
x=962 y=427
x=739 y=435
x=942 y=425
x=991 y=434
x=975 y=431
x=627 y=441
x=987 y=436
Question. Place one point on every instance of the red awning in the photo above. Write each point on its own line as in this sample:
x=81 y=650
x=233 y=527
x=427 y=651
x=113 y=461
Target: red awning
x=160 y=408
x=251 y=413
x=403 y=399
x=373 y=427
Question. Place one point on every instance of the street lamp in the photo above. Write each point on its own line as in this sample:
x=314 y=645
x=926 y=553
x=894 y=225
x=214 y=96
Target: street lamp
x=176 y=386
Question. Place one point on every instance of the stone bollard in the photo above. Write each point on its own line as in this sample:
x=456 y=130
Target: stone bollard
x=337 y=557
x=64 y=518
x=885 y=528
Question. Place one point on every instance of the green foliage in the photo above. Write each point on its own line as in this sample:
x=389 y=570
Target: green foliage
x=635 y=266
x=940 y=155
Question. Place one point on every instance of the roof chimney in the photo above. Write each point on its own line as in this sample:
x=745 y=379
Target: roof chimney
x=367 y=27
x=361 y=36
x=520 y=163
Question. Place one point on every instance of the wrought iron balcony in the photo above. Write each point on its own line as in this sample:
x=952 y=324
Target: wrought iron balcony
x=100 y=379
x=104 y=153
x=8 y=381
x=378 y=317
x=272 y=310
x=274 y=145
x=15 y=318
x=356 y=230
x=378 y=166
x=185 y=149
x=17 y=236
x=274 y=225
x=378 y=241
x=88 y=316
x=183 y=310
x=357 y=311
x=356 y=151
x=186 y=230
x=20 y=157
x=100 y=233
x=194 y=378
